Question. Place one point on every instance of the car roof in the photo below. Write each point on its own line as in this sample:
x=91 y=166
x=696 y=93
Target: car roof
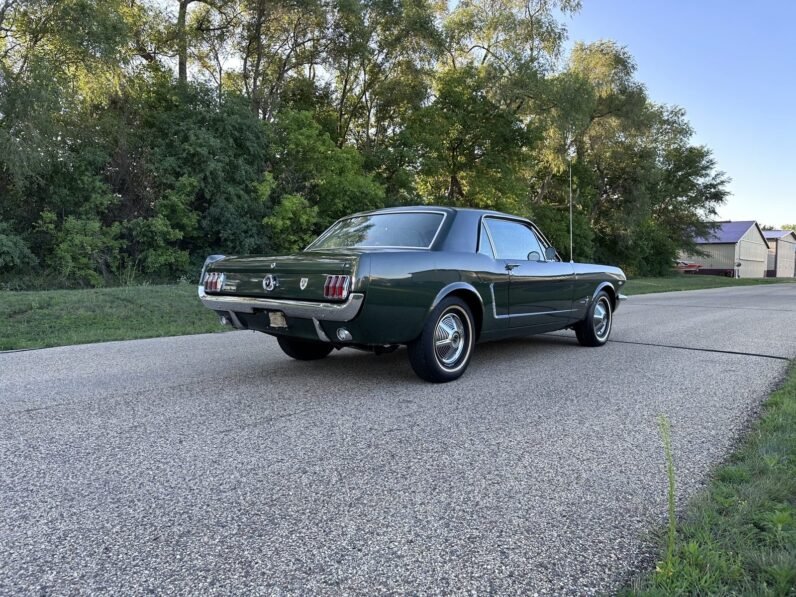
x=436 y=208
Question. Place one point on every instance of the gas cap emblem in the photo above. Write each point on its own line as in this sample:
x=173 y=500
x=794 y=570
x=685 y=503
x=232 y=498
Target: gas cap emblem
x=303 y=283
x=270 y=282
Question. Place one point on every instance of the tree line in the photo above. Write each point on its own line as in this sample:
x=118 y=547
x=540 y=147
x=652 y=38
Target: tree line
x=136 y=136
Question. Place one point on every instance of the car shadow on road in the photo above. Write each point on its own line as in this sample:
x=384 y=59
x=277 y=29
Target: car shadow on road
x=356 y=365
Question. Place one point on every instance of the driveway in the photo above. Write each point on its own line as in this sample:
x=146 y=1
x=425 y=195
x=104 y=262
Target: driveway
x=213 y=463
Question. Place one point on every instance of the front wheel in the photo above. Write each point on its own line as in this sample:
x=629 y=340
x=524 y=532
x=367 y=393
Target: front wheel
x=442 y=351
x=303 y=350
x=595 y=329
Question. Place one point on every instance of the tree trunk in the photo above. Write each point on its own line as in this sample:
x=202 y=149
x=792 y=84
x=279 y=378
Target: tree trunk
x=455 y=190
x=182 y=42
x=257 y=35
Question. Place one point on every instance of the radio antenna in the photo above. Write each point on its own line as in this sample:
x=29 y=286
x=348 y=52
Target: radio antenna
x=571 y=254
x=570 y=151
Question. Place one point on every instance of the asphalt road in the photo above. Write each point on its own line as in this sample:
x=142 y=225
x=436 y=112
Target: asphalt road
x=214 y=463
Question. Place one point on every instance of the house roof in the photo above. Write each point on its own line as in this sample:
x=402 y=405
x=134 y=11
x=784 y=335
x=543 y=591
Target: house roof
x=727 y=232
x=775 y=234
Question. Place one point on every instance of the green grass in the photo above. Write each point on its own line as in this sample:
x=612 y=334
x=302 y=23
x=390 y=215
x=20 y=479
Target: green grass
x=43 y=318
x=739 y=536
x=59 y=317
x=693 y=282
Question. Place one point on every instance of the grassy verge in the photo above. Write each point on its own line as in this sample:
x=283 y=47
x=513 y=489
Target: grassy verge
x=60 y=317
x=42 y=318
x=739 y=536
x=692 y=282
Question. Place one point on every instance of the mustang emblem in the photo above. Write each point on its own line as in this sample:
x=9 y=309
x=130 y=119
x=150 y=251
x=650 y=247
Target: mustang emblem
x=270 y=282
x=303 y=283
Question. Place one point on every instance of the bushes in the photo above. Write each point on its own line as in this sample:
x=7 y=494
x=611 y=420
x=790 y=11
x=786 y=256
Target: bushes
x=14 y=251
x=83 y=251
x=174 y=173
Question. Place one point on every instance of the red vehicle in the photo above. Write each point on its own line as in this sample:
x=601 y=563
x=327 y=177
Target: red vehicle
x=686 y=267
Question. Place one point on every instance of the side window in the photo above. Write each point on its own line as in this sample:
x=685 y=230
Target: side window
x=513 y=240
x=484 y=246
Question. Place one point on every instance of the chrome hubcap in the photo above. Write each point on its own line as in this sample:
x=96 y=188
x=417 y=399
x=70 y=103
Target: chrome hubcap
x=450 y=339
x=602 y=319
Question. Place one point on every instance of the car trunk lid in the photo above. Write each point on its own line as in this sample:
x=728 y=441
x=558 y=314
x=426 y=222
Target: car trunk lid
x=301 y=276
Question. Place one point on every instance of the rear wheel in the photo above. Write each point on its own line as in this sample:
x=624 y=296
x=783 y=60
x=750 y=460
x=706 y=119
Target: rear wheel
x=595 y=329
x=442 y=351
x=303 y=350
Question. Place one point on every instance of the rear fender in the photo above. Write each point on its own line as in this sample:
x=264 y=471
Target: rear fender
x=469 y=294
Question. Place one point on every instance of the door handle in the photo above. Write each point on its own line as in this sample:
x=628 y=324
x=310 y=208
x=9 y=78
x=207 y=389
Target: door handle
x=511 y=266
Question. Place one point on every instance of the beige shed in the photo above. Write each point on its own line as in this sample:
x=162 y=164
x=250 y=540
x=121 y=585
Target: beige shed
x=734 y=248
x=781 y=253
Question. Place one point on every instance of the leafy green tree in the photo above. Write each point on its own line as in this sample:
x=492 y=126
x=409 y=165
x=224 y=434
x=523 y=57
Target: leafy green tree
x=84 y=251
x=138 y=135
x=310 y=165
x=194 y=163
x=14 y=251
x=293 y=223
x=470 y=148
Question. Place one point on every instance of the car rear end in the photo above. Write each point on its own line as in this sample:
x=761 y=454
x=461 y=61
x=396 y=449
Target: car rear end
x=286 y=295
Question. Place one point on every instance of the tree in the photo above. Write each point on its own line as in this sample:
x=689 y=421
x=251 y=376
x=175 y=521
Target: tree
x=470 y=148
x=310 y=165
x=138 y=135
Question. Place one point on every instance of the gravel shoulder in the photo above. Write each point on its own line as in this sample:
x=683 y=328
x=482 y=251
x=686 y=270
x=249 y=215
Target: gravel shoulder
x=212 y=463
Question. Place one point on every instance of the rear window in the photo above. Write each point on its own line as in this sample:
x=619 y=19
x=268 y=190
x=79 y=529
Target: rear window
x=408 y=230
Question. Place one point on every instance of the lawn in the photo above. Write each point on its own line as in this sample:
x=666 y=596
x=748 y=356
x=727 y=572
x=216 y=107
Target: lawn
x=39 y=319
x=60 y=317
x=693 y=282
x=739 y=536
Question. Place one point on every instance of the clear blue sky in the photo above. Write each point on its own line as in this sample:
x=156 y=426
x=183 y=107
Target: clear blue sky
x=732 y=66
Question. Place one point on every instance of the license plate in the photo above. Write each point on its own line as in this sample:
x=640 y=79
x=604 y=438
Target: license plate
x=276 y=319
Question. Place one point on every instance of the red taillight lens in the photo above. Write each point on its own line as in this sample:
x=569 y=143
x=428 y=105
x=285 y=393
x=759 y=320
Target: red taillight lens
x=214 y=282
x=337 y=287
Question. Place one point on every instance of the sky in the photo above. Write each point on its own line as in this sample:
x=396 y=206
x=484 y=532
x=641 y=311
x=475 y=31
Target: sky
x=732 y=66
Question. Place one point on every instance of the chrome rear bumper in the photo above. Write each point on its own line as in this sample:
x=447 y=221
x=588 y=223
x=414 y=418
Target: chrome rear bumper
x=309 y=310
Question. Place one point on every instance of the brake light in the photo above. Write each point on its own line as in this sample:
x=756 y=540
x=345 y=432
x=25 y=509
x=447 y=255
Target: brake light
x=337 y=287
x=214 y=282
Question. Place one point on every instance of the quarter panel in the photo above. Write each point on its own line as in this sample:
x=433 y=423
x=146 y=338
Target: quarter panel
x=402 y=288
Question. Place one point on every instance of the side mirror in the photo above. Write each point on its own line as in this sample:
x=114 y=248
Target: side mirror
x=550 y=253
x=534 y=256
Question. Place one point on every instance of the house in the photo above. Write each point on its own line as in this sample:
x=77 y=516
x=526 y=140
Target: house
x=733 y=249
x=781 y=253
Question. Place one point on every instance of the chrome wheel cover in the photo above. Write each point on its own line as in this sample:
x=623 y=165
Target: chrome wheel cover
x=451 y=337
x=601 y=319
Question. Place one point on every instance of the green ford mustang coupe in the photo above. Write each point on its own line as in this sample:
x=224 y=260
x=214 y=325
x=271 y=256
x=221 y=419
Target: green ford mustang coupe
x=436 y=279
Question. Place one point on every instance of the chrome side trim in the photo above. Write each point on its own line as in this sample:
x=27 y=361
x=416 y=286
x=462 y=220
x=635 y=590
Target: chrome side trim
x=305 y=309
x=496 y=316
x=319 y=330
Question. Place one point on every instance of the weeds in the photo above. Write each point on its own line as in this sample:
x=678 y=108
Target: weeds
x=667 y=567
x=739 y=536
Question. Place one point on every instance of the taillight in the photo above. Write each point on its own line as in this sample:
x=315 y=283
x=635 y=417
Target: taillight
x=337 y=287
x=214 y=282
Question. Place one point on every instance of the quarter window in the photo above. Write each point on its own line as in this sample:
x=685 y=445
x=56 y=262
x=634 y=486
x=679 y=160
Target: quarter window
x=484 y=246
x=513 y=240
